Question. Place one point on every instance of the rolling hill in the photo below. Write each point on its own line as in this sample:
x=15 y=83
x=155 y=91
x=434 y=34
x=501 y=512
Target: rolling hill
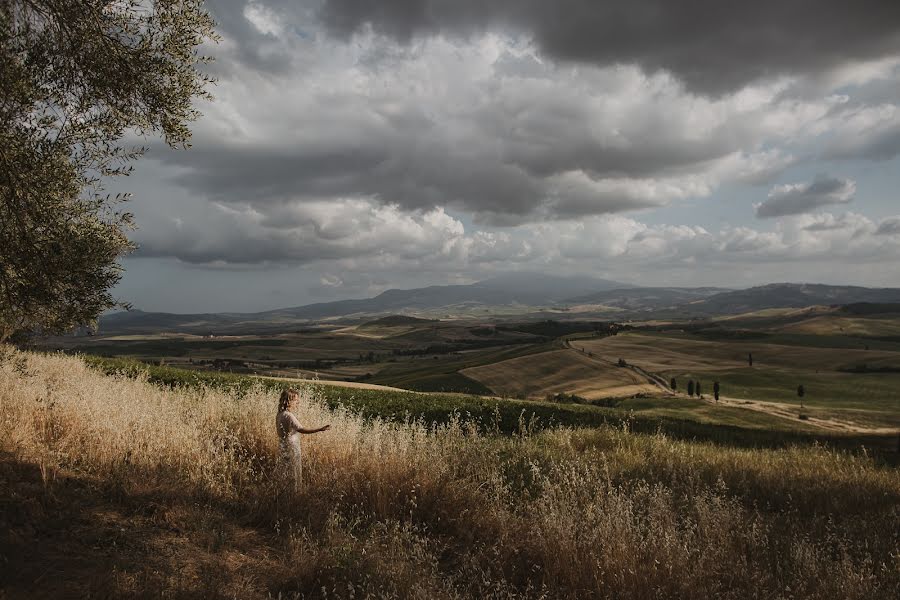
x=790 y=295
x=518 y=293
x=647 y=298
x=514 y=289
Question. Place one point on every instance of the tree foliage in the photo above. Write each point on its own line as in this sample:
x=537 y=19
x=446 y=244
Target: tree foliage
x=77 y=79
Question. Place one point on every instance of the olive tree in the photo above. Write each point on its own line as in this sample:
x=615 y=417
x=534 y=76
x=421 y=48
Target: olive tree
x=76 y=79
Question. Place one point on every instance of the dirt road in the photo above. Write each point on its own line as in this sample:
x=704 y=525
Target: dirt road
x=793 y=412
x=347 y=384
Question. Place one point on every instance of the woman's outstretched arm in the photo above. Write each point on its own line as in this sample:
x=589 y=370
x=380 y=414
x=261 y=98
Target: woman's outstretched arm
x=295 y=425
x=316 y=430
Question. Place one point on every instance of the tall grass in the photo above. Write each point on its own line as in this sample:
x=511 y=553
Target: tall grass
x=410 y=510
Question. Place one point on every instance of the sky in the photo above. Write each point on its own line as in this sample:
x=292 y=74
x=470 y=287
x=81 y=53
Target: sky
x=354 y=146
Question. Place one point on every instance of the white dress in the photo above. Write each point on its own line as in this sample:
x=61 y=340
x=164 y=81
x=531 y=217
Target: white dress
x=289 y=435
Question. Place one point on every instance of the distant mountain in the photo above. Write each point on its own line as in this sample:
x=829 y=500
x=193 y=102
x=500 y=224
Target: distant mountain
x=527 y=289
x=648 y=298
x=790 y=295
x=523 y=289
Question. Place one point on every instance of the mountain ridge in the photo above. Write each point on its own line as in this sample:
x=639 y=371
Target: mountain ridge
x=523 y=289
x=518 y=290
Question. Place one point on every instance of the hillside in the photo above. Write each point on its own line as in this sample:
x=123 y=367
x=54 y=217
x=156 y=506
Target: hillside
x=646 y=298
x=395 y=320
x=521 y=290
x=560 y=371
x=122 y=488
x=790 y=295
x=510 y=297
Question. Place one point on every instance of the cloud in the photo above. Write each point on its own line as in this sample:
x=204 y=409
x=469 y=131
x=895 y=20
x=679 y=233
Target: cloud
x=303 y=232
x=711 y=46
x=450 y=140
x=483 y=127
x=353 y=238
x=846 y=221
x=889 y=226
x=871 y=132
x=799 y=198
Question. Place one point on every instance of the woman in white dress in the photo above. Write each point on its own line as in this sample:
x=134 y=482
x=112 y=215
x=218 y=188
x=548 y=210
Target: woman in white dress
x=289 y=431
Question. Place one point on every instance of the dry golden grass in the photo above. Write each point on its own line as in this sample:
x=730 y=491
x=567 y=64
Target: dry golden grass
x=182 y=484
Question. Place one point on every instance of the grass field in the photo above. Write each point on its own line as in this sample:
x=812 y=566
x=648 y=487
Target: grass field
x=116 y=486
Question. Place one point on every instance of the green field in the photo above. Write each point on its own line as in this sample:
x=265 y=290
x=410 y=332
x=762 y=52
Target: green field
x=865 y=399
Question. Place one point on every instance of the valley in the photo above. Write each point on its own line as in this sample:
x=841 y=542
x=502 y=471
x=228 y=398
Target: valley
x=846 y=356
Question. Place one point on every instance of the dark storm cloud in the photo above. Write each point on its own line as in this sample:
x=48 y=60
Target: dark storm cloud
x=802 y=198
x=412 y=177
x=500 y=160
x=711 y=45
x=507 y=138
x=249 y=46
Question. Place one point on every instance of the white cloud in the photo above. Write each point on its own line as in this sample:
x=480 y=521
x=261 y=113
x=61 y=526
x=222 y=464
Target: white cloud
x=889 y=226
x=263 y=18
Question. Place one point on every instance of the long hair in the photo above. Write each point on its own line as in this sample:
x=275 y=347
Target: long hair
x=286 y=397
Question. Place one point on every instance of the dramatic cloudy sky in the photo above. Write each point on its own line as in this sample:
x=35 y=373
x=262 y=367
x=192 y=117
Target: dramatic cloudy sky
x=356 y=145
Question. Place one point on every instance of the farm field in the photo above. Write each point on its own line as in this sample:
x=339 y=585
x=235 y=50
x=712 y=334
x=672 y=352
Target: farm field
x=559 y=371
x=849 y=326
x=849 y=379
x=347 y=352
x=867 y=399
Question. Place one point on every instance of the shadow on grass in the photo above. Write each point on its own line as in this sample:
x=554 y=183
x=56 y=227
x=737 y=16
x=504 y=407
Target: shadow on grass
x=73 y=537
